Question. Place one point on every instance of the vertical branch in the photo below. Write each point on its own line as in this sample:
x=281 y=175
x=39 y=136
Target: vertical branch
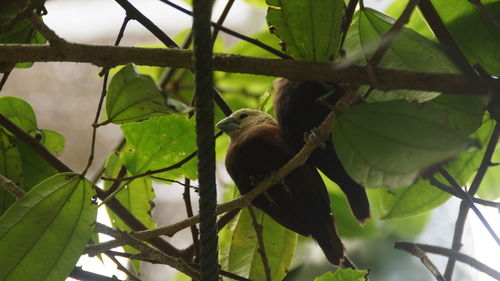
x=464 y=208
x=209 y=265
x=189 y=210
x=95 y=125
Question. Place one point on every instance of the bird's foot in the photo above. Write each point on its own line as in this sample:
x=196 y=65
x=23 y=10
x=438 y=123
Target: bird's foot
x=313 y=135
x=270 y=199
x=324 y=99
x=287 y=187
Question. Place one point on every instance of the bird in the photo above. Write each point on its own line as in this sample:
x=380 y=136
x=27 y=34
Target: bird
x=298 y=112
x=300 y=201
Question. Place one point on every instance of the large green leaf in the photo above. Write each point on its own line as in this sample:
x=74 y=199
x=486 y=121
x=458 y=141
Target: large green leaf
x=408 y=51
x=340 y=274
x=43 y=234
x=310 y=29
x=241 y=256
x=476 y=37
x=136 y=196
x=417 y=21
x=422 y=197
x=19 y=112
x=160 y=142
x=10 y=167
x=133 y=97
x=53 y=141
x=392 y=143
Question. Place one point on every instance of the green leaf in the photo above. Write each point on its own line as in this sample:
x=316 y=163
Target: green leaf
x=408 y=51
x=476 y=37
x=340 y=274
x=417 y=21
x=407 y=228
x=136 y=196
x=160 y=142
x=309 y=28
x=392 y=143
x=10 y=167
x=44 y=233
x=414 y=200
x=133 y=97
x=241 y=255
x=19 y=112
x=53 y=141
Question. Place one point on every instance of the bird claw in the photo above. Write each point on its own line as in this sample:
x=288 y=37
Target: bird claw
x=287 y=188
x=270 y=199
x=313 y=135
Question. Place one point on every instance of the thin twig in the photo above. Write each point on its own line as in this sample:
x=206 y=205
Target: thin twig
x=486 y=13
x=450 y=190
x=419 y=253
x=157 y=171
x=11 y=187
x=79 y=274
x=221 y=19
x=232 y=32
x=95 y=249
x=464 y=208
x=122 y=268
x=189 y=210
x=48 y=33
x=260 y=239
x=347 y=19
x=387 y=38
x=105 y=71
x=451 y=253
x=468 y=200
x=154 y=254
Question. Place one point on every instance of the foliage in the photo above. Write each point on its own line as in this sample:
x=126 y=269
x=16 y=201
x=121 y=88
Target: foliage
x=391 y=142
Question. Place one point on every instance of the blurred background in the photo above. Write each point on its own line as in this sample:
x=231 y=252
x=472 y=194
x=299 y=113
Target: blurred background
x=65 y=97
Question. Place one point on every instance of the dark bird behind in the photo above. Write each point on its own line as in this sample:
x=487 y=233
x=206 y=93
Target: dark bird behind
x=298 y=112
x=300 y=201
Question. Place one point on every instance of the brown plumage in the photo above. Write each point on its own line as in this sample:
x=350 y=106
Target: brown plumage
x=298 y=112
x=300 y=201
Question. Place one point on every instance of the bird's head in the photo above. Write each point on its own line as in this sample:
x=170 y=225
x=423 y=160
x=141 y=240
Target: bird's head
x=243 y=119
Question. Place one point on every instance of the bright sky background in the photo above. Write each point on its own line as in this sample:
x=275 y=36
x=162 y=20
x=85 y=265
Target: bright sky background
x=89 y=20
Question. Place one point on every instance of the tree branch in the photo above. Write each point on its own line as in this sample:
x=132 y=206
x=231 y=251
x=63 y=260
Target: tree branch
x=451 y=253
x=11 y=187
x=110 y=56
x=419 y=253
x=262 y=250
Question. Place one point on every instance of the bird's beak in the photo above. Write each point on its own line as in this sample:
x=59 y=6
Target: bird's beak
x=228 y=125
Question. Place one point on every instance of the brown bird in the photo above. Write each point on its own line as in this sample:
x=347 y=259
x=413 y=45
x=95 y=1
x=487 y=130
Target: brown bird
x=300 y=201
x=298 y=112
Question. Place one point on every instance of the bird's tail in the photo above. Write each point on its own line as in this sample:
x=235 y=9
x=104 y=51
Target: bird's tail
x=330 y=243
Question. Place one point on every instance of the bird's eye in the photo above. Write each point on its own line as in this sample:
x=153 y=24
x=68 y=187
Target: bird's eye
x=243 y=116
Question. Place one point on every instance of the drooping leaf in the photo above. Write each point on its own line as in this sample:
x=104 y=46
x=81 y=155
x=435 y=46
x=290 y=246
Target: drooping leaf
x=310 y=29
x=10 y=167
x=160 y=142
x=136 y=196
x=133 y=97
x=340 y=274
x=422 y=197
x=19 y=112
x=44 y=233
x=241 y=255
x=465 y=21
x=392 y=143
x=416 y=199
